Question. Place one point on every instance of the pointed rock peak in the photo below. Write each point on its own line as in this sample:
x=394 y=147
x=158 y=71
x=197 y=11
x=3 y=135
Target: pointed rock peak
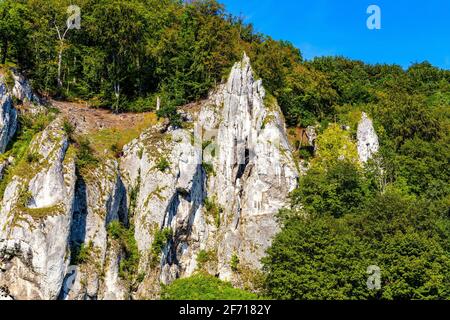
x=368 y=143
x=365 y=120
x=245 y=60
x=241 y=80
x=364 y=117
x=243 y=66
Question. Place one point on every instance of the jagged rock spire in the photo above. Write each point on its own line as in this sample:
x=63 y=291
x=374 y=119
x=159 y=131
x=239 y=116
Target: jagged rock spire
x=368 y=143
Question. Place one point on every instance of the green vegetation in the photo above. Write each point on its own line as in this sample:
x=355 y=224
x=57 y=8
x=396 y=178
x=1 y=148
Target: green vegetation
x=209 y=168
x=68 y=128
x=85 y=154
x=81 y=253
x=134 y=193
x=129 y=53
x=163 y=164
x=234 y=263
x=213 y=210
x=204 y=287
x=335 y=145
x=321 y=257
x=305 y=154
x=7 y=77
x=111 y=141
x=204 y=257
x=170 y=113
x=25 y=160
x=161 y=238
x=345 y=217
x=209 y=150
x=128 y=268
x=32 y=157
x=391 y=212
x=336 y=191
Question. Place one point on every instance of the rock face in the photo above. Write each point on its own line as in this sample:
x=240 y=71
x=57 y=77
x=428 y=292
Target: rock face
x=255 y=171
x=311 y=135
x=224 y=182
x=8 y=116
x=48 y=212
x=367 y=138
x=35 y=222
x=22 y=92
x=166 y=184
x=100 y=198
x=22 y=89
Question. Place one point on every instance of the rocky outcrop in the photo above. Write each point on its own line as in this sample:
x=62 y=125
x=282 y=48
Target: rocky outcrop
x=311 y=135
x=166 y=185
x=99 y=199
x=218 y=186
x=255 y=170
x=35 y=219
x=367 y=138
x=14 y=85
x=22 y=89
x=8 y=116
x=49 y=213
x=212 y=188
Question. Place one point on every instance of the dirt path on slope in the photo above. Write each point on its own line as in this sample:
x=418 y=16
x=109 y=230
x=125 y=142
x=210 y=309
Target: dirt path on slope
x=88 y=120
x=106 y=131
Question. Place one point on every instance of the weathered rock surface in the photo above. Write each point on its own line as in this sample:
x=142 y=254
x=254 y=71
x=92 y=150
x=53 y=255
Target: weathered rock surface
x=164 y=174
x=255 y=170
x=8 y=116
x=22 y=89
x=214 y=186
x=99 y=199
x=22 y=92
x=35 y=222
x=367 y=138
x=311 y=135
x=244 y=174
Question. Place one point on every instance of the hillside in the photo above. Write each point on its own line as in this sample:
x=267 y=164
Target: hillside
x=172 y=151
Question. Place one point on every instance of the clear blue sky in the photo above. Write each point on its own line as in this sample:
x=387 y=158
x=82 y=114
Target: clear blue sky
x=411 y=30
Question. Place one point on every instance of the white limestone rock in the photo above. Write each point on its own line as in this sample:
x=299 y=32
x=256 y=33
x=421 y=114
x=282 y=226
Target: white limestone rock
x=255 y=170
x=22 y=89
x=34 y=224
x=169 y=197
x=165 y=179
x=100 y=199
x=8 y=116
x=252 y=173
x=368 y=143
x=113 y=287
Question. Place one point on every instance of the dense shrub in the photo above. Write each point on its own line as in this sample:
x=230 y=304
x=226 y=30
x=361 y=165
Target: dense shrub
x=204 y=287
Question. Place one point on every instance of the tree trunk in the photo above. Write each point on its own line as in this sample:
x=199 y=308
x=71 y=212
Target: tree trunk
x=60 y=84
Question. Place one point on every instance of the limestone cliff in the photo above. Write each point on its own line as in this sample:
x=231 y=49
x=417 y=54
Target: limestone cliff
x=35 y=219
x=8 y=115
x=226 y=178
x=210 y=189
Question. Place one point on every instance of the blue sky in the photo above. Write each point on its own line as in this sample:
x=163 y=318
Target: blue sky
x=411 y=30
